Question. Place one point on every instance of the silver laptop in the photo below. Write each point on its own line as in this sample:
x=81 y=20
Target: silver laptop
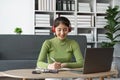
x=97 y=60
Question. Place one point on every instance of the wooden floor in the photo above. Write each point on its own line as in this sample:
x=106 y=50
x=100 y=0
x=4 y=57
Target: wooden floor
x=6 y=78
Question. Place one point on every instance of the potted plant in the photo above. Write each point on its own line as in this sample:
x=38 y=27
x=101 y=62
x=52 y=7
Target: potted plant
x=112 y=26
x=18 y=30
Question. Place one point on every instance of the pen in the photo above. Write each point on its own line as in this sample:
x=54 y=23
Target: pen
x=53 y=59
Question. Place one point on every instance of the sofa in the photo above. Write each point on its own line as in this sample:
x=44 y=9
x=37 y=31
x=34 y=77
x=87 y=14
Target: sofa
x=21 y=51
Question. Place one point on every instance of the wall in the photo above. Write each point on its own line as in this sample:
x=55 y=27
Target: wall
x=16 y=13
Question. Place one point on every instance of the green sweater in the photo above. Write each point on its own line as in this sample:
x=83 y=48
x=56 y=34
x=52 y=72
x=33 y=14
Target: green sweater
x=62 y=51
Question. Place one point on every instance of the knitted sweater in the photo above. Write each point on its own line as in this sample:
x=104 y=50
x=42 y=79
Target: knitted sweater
x=62 y=51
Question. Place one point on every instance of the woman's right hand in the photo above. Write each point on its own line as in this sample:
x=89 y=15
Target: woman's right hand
x=55 y=65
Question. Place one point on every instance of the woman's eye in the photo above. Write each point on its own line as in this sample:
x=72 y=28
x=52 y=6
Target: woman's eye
x=65 y=29
x=61 y=30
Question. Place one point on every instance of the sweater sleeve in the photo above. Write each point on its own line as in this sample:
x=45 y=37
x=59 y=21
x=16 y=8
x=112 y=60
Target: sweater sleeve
x=78 y=56
x=42 y=58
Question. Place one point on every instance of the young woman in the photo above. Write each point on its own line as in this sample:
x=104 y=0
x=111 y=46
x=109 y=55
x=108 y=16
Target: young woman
x=59 y=50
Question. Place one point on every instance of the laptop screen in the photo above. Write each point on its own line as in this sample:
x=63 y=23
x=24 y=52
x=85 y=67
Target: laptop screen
x=97 y=60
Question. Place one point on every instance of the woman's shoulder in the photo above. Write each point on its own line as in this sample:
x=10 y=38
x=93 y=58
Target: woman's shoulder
x=72 y=41
x=48 y=40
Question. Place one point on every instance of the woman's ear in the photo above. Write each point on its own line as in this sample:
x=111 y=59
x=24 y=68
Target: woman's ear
x=53 y=29
x=70 y=28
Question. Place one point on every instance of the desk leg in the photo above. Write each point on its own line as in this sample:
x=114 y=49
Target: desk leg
x=23 y=79
x=108 y=77
x=101 y=78
x=89 y=79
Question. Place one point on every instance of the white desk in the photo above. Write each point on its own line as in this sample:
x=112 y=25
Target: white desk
x=27 y=74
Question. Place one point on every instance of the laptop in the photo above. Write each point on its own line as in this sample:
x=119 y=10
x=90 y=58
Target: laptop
x=97 y=60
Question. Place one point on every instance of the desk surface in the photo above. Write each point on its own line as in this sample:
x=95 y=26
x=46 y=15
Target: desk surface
x=27 y=74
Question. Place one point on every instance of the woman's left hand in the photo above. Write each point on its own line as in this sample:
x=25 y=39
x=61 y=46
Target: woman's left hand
x=63 y=65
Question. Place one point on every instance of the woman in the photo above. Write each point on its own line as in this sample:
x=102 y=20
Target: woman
x=59 y=50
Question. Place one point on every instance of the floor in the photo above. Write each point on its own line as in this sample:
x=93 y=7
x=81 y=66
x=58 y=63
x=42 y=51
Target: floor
x=5 y=78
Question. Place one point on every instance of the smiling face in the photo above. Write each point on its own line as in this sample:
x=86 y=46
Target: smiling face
x=61 y=31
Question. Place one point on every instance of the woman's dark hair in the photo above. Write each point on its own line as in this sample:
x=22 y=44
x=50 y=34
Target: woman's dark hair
x=62 y=20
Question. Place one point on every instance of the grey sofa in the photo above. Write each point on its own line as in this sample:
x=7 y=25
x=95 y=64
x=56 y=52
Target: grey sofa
x=21 y=51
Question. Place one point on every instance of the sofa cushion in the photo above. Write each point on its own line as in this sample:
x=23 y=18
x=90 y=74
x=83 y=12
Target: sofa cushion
x=16 y=64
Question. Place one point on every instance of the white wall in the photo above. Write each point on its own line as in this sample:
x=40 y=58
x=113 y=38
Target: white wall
x=16 y=13
x=117 y=46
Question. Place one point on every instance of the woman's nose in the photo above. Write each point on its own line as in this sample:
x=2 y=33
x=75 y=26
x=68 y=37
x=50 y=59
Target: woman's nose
x=62 y=31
